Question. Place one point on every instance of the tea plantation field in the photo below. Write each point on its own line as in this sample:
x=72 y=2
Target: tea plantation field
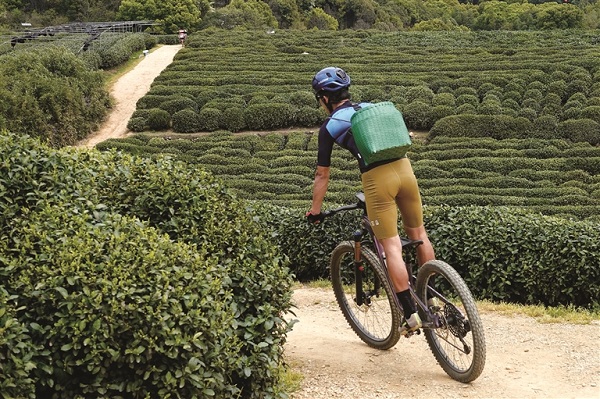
x=514 y=117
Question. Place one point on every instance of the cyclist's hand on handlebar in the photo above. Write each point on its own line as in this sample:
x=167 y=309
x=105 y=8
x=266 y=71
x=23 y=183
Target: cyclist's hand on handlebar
x=315 y=219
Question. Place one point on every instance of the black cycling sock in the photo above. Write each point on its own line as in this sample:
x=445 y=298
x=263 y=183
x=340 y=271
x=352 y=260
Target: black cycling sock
x=408 y=305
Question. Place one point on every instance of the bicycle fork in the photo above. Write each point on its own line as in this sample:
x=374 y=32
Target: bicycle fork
x=359 y=268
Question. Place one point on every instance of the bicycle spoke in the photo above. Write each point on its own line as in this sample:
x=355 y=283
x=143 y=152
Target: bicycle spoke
x=375 y=320
x=456 y=339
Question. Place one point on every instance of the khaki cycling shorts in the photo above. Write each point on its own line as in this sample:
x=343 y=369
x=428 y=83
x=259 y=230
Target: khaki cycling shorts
x=390 y=187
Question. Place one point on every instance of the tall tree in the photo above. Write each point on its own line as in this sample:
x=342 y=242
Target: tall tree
x=319 y=19
x=172 y=15
x=286 y=12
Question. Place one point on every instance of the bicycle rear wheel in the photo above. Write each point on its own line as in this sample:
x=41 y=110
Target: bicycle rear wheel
x=459 y=344
x=372 y=314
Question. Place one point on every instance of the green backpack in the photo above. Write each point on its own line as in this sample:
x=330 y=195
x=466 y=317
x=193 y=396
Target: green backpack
x=380 y=132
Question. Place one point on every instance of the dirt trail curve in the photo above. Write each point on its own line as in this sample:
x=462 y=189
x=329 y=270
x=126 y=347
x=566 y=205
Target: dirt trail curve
x=525 y=359
x=127 y=90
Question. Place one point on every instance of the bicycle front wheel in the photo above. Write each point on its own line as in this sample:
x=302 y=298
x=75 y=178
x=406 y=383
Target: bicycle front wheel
x=458 y=342
x=369 y=306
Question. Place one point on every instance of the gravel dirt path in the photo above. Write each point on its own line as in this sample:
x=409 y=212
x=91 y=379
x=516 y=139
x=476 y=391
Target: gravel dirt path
x=127 y=90
x=525 y=359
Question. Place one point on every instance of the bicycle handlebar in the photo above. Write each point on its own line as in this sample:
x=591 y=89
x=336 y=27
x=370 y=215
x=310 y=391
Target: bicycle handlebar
x=359 y=205
x=332 y=212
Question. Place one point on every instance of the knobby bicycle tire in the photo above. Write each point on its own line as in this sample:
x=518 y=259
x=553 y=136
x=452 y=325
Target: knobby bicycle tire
x=459 y=345
x=376 y=320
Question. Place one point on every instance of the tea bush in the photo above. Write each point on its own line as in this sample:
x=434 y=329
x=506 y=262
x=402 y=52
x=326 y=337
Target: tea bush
x=514 y=257
x=210 y=119
x=128 y=311
x=198 y=263
x=122 y=49
x=137 y=124
x=179 y=104
x=16 y=353
x=159 y=119
x=233 y=119
x=51 y=93
x=264 y=116
x=186 y=121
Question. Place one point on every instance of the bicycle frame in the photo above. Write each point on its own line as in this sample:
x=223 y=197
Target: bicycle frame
x=432 y=320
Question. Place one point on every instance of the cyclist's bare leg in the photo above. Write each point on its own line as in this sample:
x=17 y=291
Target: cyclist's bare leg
x=397 y=270
x=425 y=251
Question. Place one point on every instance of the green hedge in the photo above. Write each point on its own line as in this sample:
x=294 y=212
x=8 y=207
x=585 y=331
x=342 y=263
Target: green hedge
x=16 y=353
x=50 y=93
x=187 y=303
x=125 y=309
x=522 y=172
x=504 y=254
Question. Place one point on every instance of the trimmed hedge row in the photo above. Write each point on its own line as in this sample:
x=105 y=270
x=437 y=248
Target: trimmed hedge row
x=503 y=254
x=506 y=127
x=537 y=77
x=554 y=176
x=52 y=93
x=187 y=303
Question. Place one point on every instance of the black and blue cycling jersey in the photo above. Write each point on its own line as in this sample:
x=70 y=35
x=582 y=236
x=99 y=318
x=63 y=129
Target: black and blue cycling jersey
x=336 y=129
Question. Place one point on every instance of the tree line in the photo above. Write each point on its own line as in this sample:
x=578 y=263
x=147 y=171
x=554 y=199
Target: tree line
x=387 y=15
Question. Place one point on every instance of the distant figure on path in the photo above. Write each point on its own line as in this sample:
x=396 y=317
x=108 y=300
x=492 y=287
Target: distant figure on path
x=182 y=36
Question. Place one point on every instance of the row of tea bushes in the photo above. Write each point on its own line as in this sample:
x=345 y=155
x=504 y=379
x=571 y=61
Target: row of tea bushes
x=550 y=176
x=517 y=256
x=54 y=91
x=428 y=75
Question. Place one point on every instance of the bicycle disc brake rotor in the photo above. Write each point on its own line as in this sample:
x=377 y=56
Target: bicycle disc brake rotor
x=457 y=324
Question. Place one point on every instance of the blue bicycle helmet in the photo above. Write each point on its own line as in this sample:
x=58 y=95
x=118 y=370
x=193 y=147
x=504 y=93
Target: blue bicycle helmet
x=330 y=79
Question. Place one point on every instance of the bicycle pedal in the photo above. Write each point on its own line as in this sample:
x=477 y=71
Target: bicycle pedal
x=411 y=333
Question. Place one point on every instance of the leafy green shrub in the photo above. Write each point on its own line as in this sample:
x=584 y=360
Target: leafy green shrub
x=490 y=108
x=467 y=99
x=233 y=119
x=495 y=126
x=466 y=109
x=580 y=130
x=297 y=141
x=122 y=49
x=149 y=101
x=419 y=93
x=591 y=112
x=135 y=329
x=418 y=115
x=177 y=104
x=16 y=353
x=517 y=270
x=210 y=119
x=263 y=116
x=207 y=257
x=302 y=98
x=528 y=113
x=51 y=93
x=308 y=116
x=137 y=124
x=446 y=99
x=159 y=119
x=529 y=262
x=186 y=121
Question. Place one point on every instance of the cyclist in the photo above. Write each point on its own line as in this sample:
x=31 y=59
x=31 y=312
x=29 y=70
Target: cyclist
x=388 y=186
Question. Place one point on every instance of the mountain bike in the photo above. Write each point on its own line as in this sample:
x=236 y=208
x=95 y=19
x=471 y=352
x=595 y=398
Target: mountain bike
x=365 y=294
